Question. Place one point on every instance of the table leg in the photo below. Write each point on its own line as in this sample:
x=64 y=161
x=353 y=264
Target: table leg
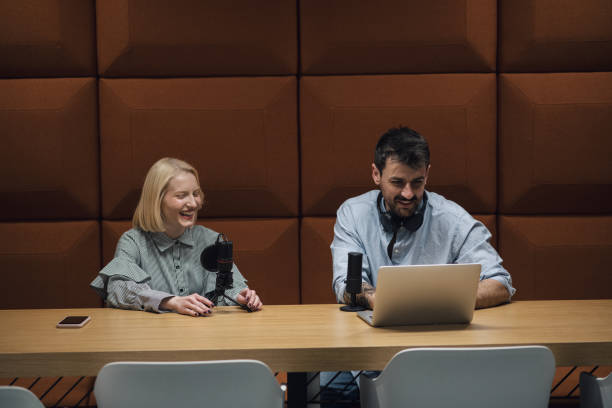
x=296 y=390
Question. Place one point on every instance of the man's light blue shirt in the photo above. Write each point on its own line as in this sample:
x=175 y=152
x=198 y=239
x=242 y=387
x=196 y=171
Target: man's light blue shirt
x=449 y=234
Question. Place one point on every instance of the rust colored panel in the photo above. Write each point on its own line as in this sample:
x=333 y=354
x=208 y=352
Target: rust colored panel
x=49 y=156
x=554 y=143
x=555 y=35
x=240 y=133
x=47 y=38
x=196 y=37
x=558 y=257
x=317 y=272
x=49 y=265
x=357 y=37
x=342 y=118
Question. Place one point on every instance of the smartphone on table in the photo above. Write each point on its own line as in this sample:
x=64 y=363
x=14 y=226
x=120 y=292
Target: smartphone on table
x=73 y=322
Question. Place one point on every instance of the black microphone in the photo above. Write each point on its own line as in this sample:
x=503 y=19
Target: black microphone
x=219 y=257
x=353 y=281
x=225 y=261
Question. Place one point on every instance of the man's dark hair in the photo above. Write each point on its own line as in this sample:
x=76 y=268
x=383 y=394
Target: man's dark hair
x=403 y=144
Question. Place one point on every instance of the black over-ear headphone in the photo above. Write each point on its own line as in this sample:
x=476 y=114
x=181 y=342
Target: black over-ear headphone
x=391 y=222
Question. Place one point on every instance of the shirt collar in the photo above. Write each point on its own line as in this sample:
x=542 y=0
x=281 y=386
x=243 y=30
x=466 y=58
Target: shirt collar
x=163 y=241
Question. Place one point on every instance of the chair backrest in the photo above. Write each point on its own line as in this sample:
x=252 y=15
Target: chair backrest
x=595 y=392
x=468 y=377
x=18 y=397
x=187 y=384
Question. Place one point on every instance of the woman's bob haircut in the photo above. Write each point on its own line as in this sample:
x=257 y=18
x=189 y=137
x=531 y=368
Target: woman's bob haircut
x=148 y=215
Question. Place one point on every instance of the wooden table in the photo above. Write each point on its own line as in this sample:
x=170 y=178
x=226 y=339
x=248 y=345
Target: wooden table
x=296 y=338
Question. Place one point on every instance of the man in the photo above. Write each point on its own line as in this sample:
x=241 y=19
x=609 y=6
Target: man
x=403 y=224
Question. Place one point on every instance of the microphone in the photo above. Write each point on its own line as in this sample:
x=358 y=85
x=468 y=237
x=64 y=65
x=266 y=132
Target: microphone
x=219 y=257
x=353 y=281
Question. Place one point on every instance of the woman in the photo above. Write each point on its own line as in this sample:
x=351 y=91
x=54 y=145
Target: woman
x=157 y=263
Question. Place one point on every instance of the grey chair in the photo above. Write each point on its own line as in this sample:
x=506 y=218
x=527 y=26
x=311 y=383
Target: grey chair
x=501 y=377
x=18 y=397
x=595 y=392
x=247 y=383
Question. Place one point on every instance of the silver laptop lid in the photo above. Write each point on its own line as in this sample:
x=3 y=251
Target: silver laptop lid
x=425 y=294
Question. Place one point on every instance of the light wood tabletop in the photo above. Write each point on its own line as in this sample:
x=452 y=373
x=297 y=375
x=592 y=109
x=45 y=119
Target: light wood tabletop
x=292 y=338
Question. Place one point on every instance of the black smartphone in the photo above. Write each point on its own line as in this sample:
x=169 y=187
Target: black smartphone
x=74 y=322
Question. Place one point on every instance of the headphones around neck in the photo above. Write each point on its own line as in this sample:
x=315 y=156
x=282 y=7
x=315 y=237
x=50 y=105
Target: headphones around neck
x=391 y=222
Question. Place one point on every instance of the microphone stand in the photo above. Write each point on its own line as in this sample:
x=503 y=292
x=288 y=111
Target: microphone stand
x=224 y=279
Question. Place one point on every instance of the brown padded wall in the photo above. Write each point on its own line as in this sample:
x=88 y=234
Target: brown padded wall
x=343 y=117
x=397 y=36
x=49 y=265
x=558 y=257
x=554 y=142
x=49 y=155
x=47 y=38
x=196 y=37
x=555 y=35
x=240 y=133
x=317 y=234
x=265 y=250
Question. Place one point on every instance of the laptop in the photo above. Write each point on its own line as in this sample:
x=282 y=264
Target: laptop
x=424 y=294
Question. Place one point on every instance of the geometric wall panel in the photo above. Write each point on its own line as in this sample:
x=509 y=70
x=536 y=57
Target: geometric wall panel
x=555 y=146
x=555 y=35
x=345 y=37
x=558 y=257
x=47 y=38
x=49 y=265
x=265 y=250
x=342 y=118
x=239 y=133
x=49 y=154
x=316 y=235
x=196 y=38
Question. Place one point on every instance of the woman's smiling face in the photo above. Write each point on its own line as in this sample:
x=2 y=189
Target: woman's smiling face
x=181 y=202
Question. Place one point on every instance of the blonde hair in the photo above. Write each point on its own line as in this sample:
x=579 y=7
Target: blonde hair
x=148 y=215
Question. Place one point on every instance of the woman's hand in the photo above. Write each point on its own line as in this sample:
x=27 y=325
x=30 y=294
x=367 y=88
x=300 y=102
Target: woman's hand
x=249 y=298
x=192 y=305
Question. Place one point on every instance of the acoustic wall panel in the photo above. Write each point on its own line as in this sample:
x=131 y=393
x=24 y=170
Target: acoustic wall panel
x=265 y=250
x=49 y=265
x=558 y=257
x=196 y=37
x=555 y=35
x=317 y=234
x=342 y=118
x=397 y=36
x=240 y=133
x=47 y=38
x=49 y=155
x=555 y=146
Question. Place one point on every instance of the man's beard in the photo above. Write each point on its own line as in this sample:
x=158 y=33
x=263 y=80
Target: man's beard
x=394 y=209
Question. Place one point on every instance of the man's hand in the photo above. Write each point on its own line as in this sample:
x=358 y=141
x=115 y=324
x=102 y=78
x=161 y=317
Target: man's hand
x=249 y=298
x=365 y=298
x=192 y=305
x=491 y=293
